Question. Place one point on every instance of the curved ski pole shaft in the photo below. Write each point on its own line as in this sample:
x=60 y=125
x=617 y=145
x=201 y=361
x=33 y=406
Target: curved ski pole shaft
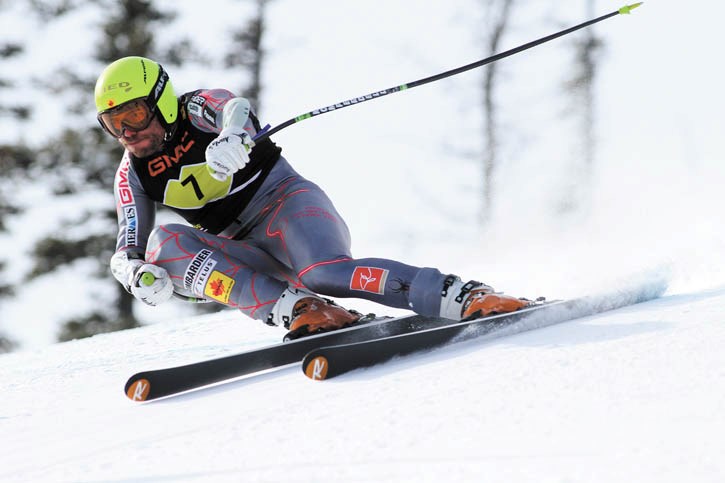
x=267 y=131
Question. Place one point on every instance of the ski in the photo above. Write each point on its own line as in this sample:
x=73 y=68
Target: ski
x=159 y=383
x=326 y=362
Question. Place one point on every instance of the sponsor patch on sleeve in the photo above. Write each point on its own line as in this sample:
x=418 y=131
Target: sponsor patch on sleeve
x=129 y=212
x=123 y=188
x=194 y=106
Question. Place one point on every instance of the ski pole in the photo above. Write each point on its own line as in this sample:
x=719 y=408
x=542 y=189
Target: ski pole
x=149 y=279
x=267 y=131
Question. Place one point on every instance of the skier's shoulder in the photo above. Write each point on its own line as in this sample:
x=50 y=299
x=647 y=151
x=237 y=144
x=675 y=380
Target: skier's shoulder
x=126 y=173
x=203 y=108
x=205 y=101
x=125 y=167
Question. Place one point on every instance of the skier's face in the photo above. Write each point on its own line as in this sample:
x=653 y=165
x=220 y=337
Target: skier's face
x=144 y=142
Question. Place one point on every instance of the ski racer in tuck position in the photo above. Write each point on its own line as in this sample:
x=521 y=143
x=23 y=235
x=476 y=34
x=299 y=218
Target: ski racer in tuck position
x=261 y=238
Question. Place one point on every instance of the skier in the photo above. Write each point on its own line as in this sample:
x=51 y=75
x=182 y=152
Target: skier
x=261 y=238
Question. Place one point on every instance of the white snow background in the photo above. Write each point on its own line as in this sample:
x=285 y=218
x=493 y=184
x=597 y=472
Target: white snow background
x=633 y=395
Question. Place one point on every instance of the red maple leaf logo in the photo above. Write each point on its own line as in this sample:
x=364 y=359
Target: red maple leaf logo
x=217 y=287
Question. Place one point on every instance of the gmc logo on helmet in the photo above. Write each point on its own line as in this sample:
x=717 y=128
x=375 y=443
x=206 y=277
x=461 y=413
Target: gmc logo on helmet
x=126 y=86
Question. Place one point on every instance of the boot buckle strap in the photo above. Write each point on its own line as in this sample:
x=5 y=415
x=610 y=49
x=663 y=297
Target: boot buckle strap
x=467 y=287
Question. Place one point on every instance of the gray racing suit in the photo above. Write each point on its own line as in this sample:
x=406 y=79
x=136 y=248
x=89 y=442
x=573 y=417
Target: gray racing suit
x=253 y=235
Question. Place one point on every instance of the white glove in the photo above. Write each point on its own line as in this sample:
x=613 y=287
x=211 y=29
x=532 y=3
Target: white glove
x=152 y=284
x=228 y=153
x=147 y=282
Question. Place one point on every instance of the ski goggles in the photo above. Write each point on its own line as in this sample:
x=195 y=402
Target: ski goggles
x=134 y=115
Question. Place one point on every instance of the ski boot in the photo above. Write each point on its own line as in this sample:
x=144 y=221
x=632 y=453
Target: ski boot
x=305 y=313
x=472 y=300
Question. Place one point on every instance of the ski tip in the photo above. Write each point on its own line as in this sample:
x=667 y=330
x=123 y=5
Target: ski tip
x=627 y=9
x=316 y=368
x=138 y=390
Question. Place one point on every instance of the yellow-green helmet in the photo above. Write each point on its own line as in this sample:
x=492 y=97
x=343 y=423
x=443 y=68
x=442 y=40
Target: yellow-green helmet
x=132 y=78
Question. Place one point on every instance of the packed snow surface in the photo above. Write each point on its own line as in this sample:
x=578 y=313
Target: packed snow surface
x=636 y=394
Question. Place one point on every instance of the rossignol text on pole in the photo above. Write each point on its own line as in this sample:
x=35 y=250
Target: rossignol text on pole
x=267 y=131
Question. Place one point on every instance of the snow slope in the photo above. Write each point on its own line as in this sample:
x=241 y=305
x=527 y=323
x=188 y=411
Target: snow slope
x=632 y=395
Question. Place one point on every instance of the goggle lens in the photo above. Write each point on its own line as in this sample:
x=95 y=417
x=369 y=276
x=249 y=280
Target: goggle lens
x=134 y=115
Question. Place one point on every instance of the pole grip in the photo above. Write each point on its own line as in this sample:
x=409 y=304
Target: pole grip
x=147 y=279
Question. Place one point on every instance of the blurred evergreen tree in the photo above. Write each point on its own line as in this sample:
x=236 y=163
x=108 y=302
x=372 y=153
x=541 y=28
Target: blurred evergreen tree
x=247 y=52
x=499 y=14
x=12 y=161
x=83 y=159
x=580 y=87
x=18 y=111
x=6 y=344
